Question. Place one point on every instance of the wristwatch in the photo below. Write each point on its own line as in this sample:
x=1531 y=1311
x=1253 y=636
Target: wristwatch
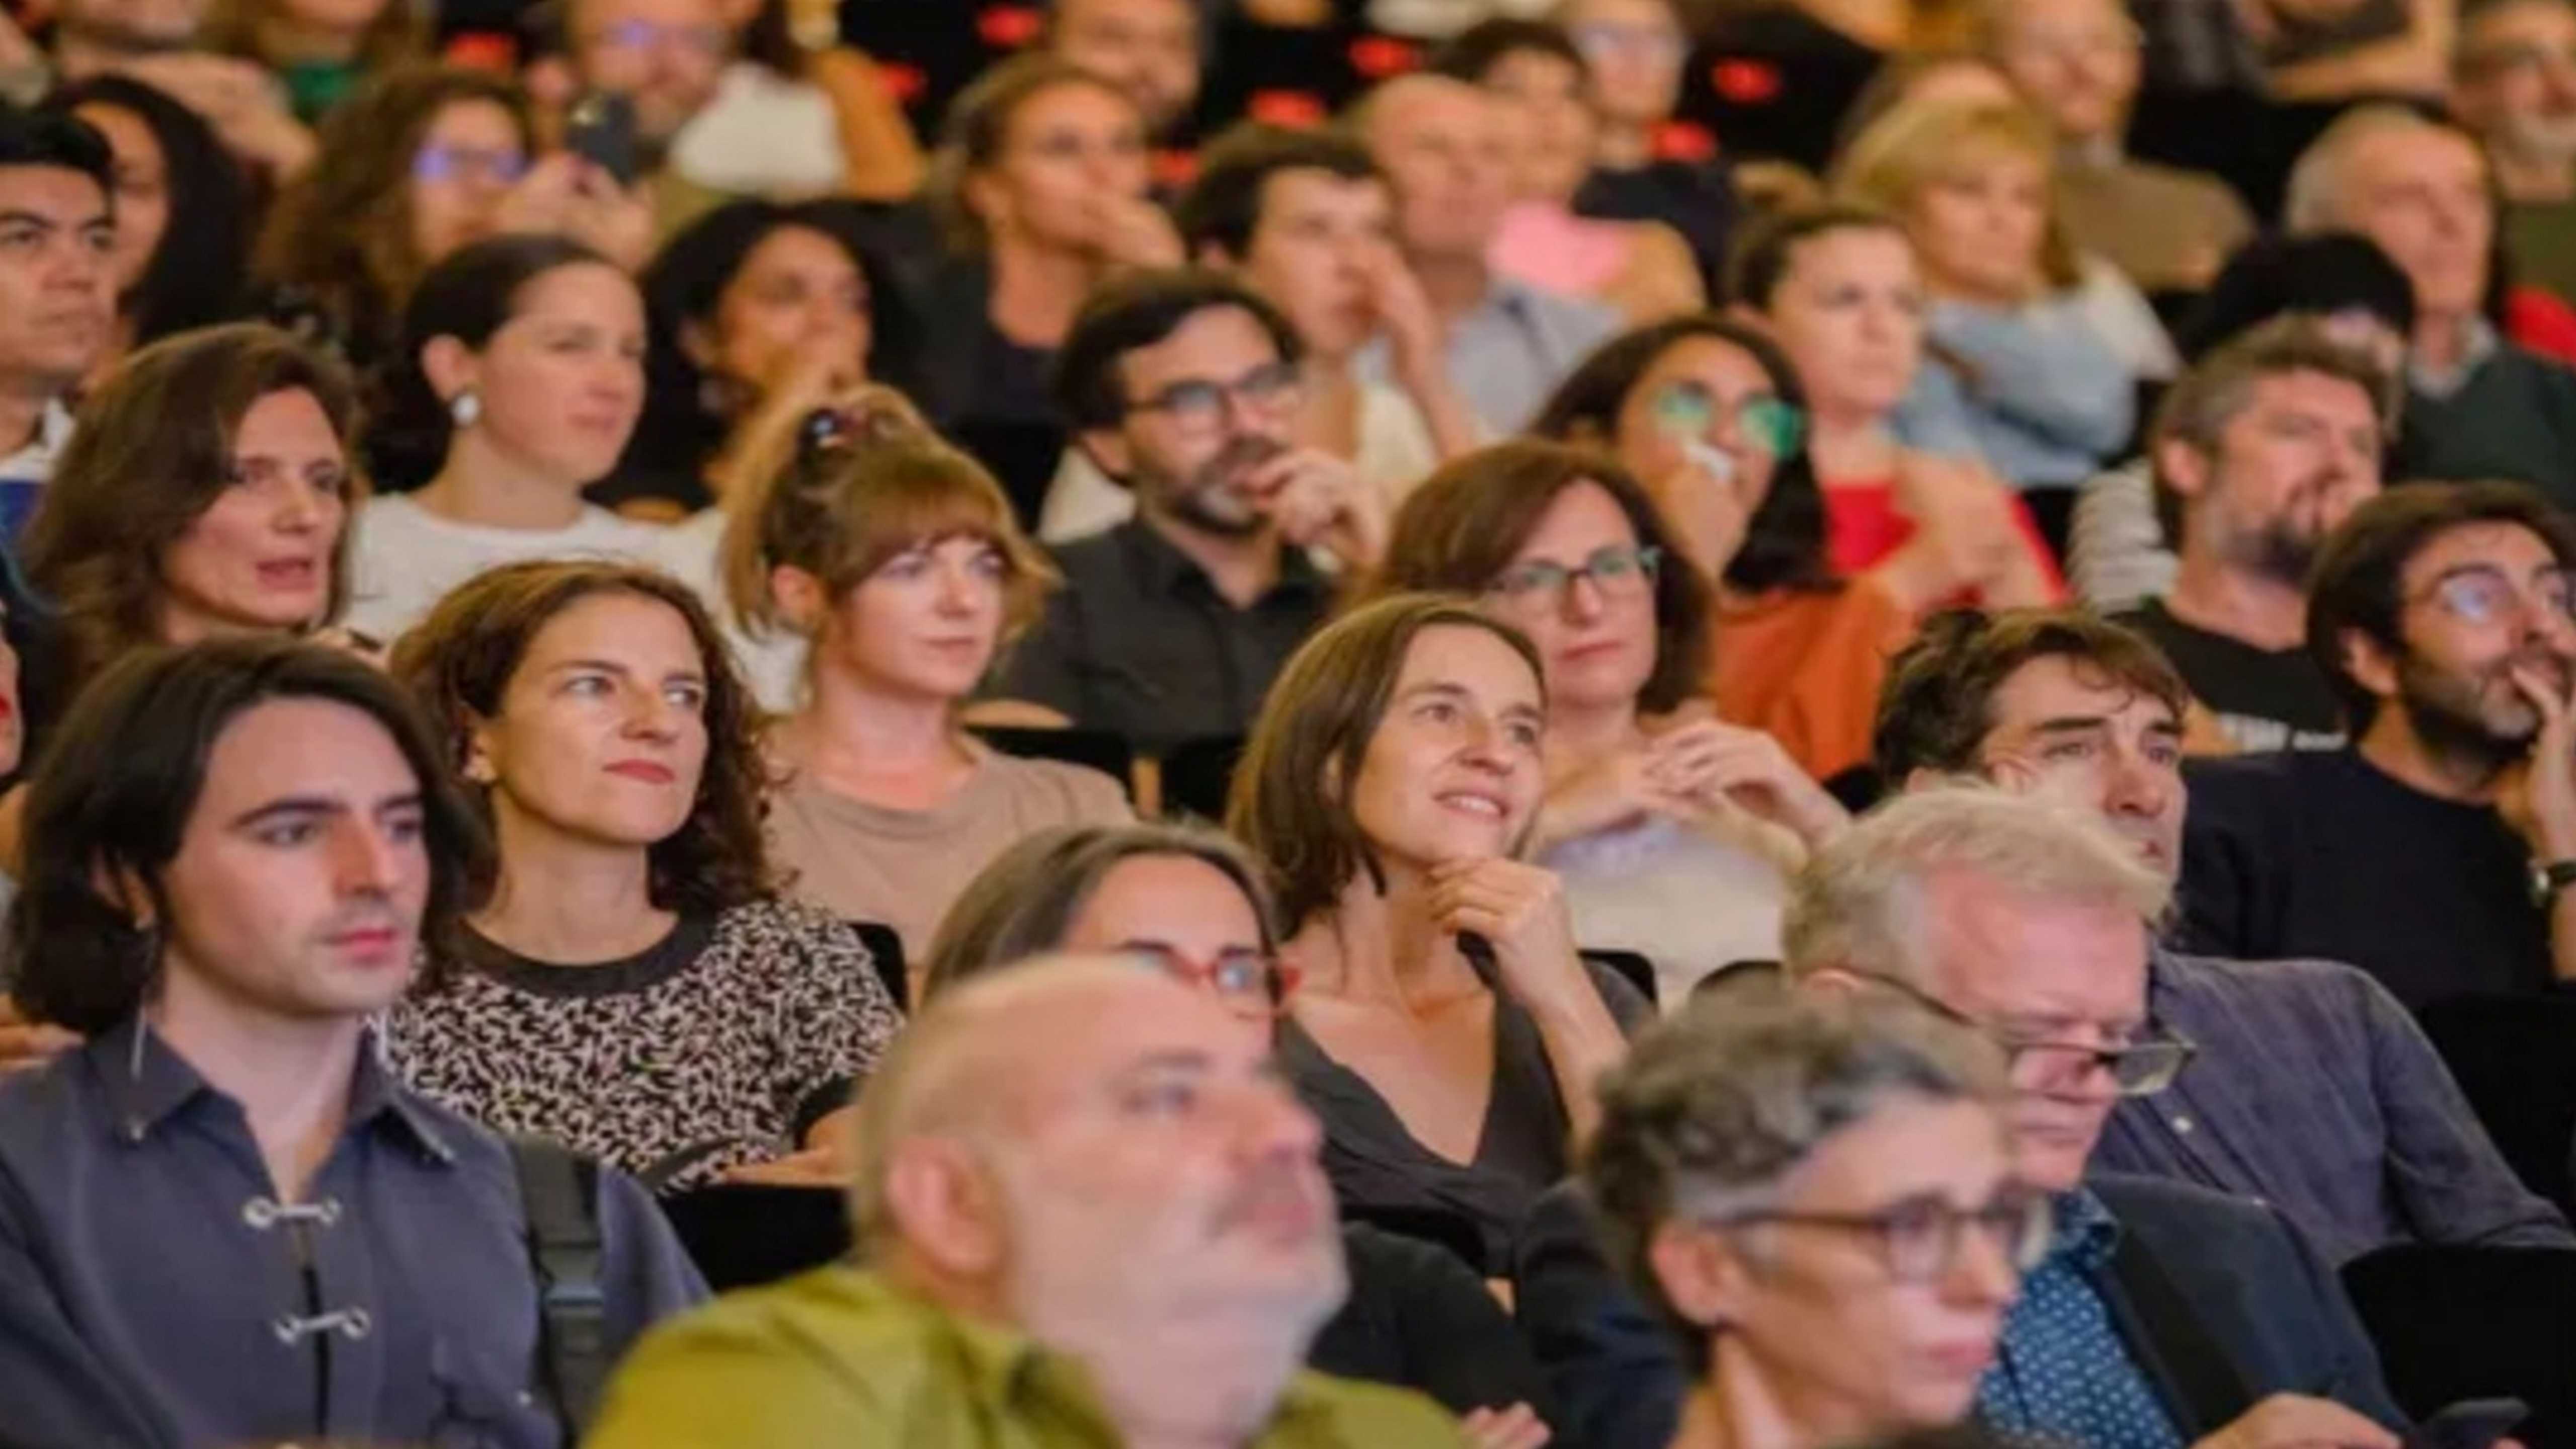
x=2548 y=878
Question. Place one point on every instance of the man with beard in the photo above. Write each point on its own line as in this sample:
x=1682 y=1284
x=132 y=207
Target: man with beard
x=1183 y=387
x=1147 y=48
x=1087 y=1212
x=2259 y=452
x=2436 y=851
x=2513 y=83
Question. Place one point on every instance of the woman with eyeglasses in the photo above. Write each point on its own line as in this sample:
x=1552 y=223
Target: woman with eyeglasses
x=1190 y=903
x=1674 y=831
x=1445 y=1028
x=1709 y=414
x=1818 y=1193
x=894 y=560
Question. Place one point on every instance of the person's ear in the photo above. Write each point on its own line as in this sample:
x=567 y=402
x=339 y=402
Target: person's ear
x=450 y=366
x=1704 y=1276
x=986 y=199
x=2371 y=664
x=945 y=1209
x=697 y=344
x=1213 y=256
x=122 y=887
x=2182 y=467
x=1108 y=450
x=481 y=766
x=1750 y=316
x=800 y=598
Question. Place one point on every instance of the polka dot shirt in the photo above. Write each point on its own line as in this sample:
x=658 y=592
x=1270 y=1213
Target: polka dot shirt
x=2062 y=1373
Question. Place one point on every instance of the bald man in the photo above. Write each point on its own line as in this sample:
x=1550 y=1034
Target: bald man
x=1087 y=1212
x=1445 y=148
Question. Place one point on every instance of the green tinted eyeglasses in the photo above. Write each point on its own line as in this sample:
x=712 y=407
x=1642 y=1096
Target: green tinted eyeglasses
x=1767 y=423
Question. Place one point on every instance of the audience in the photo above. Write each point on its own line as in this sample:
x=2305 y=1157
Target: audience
x=523 y=372
x=2160 y=1313
x=2035 y=349
x=896 y=558
x=1643 y=162
x=2077 y=63
x=1183 y=386
x=1041 y=188
x=1837 y=287
x=1148 y=48
x=2434 y=850
x=1447 y=150
x=1708 y=413
x=2513 y=86
x=2259 y=452
x=57 y=291
x=206 y=492
x=1641 y=268
x=1303 y=218
x=1444 y=1028
x=2310 y=1088
x=1672 y=831
x=627 y=981
x=224 y=1220
x=182 y=214
x=2478 y=405
x=1086 y=1209
x=1818 y=1196
x=1189 y=903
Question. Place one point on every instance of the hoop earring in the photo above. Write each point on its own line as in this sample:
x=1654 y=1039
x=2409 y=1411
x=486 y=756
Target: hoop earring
x=466 y=408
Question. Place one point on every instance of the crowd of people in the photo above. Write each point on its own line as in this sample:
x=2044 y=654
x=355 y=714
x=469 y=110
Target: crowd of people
x=1283 y=723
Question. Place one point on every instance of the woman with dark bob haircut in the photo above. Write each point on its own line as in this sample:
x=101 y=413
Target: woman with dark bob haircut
x=1709 y=414
x=632 y=987
x=1673 y=831
x=113 y=797
x=1444 y=1029
x=1189 y=902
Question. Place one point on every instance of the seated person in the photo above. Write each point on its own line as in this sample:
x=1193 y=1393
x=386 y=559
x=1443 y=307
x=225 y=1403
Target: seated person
x=523 y=368
x=1151 y=49
x=2077 y=63
x=58 y=172
x=2512 y=87
x=893 y=558
x=1672 y=831
x=668 y=57
x=1708 y=413
x=1818 y=1194
x=1646 y=164
x=223 y=1220
x=2434 y=851
x=1445 y=1027
x=2312 y=1089
x=2260 y=451
x=1088 y=1213
x=1183 y=386
x=628 y=982
x=1839 y=289
x=2036 y=350
x=1641 y=268
x=2160 y=1313
x=1189 y=902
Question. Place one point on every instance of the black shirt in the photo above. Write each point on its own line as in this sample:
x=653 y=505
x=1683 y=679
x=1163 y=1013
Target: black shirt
x=1695 y=199
x=1139 y=642
x=2321 y=854
x=1774 y=83
x=2265 y=699
x=1419 y=1317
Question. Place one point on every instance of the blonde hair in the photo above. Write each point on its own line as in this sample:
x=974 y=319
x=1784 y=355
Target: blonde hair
x=1920 y=143
x=1860 y=904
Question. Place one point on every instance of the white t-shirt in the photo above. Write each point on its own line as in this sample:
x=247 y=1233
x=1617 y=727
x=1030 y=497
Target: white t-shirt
x=763 y=135
x=405 y=558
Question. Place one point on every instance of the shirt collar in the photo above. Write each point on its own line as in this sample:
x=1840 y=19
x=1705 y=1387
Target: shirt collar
x=1164 y=570
x=2086 y=1234
x=2478 y=344
x=53 y=430
x=147 y=1083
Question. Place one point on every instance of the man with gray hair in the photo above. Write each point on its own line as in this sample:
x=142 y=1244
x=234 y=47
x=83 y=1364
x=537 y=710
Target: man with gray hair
x=2478 y=405
x=2162 y=1315
x=1087 y=1212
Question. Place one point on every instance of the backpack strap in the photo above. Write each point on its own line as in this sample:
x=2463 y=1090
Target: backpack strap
x=559 y=1191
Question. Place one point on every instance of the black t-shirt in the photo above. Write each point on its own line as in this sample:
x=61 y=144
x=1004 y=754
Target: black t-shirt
x=1695 y=199
x=1774 y=83
x=2320 y=854
x=2265 y=699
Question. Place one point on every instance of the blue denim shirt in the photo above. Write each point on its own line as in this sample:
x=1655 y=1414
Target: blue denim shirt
x=153 y=1291
x=2062 y=1374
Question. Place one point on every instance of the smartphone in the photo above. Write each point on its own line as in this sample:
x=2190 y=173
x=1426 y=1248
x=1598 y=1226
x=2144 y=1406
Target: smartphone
x=601 y=130
x=2469 y=1424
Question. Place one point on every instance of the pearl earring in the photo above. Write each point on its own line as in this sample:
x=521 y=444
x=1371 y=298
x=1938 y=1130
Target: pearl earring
x=466 y=408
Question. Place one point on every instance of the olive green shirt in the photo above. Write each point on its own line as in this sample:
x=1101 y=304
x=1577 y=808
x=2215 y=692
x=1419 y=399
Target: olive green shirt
x=838 y=1357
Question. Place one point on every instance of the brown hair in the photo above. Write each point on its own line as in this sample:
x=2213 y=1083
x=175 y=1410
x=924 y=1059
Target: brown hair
x=1767 y=247
x=1889 y=164
x=459 y=661
x=1458 y=530
x=152 y=451
x=1291 y=798
x=839 y=513
x=978 y=129
x=397 y=34
x=2219 y=387
x=342 y=233
x=1937 y=706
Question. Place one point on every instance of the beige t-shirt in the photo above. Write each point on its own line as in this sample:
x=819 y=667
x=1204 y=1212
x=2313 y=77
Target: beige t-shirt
x=866 y=862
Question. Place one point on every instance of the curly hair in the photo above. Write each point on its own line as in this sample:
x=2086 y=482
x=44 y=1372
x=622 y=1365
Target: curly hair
x=459 y=663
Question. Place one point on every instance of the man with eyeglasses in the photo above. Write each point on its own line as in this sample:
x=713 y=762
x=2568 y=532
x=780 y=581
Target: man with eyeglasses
x=2513 y=83
x=1646 y=165
x=2309 y=1088
x=667 y=57
x=2258 y=453
x=1184 y=387
x=2161 y=1315
x=2436 y=852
